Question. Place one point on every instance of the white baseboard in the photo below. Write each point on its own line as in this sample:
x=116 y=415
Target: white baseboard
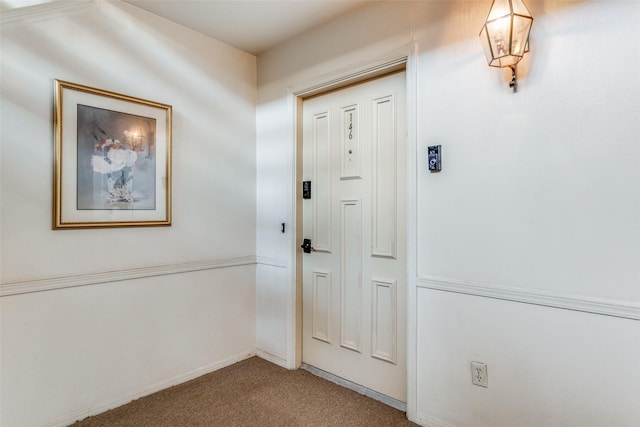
x=427 y=421
x=276 y=360
x=98 y=408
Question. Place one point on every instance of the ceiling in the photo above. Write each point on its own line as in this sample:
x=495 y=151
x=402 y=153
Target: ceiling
x=250 y=25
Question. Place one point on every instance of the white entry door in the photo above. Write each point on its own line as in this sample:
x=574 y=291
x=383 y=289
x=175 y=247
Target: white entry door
x=354 y=280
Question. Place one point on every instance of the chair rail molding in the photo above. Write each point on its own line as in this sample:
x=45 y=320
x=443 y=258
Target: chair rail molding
x=273 y=262
x=602 y=306
x=48 y=284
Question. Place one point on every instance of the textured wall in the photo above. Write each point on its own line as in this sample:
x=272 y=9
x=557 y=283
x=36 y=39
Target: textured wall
x=537 y=204
x=71 y=351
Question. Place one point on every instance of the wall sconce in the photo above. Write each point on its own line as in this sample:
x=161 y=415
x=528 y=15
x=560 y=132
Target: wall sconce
x=505 y=35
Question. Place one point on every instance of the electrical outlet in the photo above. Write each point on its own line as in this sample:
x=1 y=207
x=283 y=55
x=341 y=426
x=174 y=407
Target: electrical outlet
x=479 y=374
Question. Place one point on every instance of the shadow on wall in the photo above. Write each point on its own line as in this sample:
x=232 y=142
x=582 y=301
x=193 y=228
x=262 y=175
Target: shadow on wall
x=117 y=47
x=371 y=29
x=441 y=24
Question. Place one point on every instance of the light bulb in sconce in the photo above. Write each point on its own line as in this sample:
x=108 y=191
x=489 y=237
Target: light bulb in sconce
x=505 y=35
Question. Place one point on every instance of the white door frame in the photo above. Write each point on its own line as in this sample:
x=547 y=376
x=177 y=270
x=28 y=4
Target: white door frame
x=404 y=58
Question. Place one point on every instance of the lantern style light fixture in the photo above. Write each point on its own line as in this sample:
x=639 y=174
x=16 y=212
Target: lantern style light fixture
x=505 y=35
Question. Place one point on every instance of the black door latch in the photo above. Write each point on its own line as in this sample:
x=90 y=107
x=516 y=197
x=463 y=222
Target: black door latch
x=306 y=246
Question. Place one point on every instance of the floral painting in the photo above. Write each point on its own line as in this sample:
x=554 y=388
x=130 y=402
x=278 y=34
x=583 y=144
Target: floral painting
x=116 y=162
x=112 y=159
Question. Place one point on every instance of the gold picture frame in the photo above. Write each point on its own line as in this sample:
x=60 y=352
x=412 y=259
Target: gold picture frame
x=112 y=159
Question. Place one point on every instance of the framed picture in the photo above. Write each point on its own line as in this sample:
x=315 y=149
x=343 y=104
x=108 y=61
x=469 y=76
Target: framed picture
x=112 y=159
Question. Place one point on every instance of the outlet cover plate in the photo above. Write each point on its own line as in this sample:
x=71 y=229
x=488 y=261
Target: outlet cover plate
x=479 y=374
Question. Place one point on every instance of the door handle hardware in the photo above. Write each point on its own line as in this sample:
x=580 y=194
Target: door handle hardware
x=306 y=246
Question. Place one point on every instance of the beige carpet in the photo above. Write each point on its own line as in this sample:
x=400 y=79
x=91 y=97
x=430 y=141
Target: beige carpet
x=253 y=392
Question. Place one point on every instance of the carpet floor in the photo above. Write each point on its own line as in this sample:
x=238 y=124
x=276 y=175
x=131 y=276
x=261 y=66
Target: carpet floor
x=253 y=392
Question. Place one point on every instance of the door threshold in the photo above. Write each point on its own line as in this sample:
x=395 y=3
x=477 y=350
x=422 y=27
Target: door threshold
x=387 y=400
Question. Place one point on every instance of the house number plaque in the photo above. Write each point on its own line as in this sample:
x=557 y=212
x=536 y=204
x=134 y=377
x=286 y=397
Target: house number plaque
x=350 y=143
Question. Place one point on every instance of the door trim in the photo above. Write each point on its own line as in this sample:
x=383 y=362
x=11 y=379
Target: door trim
x=403 y=58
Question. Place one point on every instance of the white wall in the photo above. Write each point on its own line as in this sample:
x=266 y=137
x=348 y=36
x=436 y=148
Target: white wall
x=527 y=241
x=123 y=312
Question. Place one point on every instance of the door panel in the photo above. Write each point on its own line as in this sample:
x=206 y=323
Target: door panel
x=322 y=227
x=354 y=283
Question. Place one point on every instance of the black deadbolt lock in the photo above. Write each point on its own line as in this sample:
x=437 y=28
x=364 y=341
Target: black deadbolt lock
x=306 y=246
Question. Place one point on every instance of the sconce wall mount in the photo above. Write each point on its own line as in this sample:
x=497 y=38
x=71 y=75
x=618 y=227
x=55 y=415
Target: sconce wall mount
x=505 y=35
